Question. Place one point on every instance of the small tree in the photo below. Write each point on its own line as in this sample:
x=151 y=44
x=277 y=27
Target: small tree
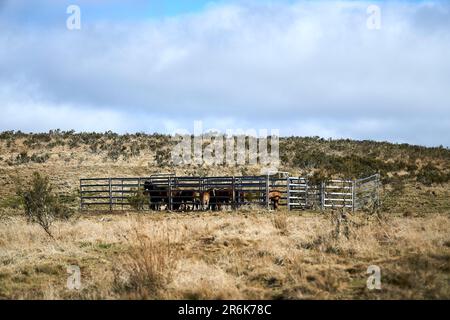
x=138 y=199
x=40 y=204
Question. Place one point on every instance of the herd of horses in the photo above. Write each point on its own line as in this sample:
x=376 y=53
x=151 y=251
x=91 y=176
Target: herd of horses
x=214 y=199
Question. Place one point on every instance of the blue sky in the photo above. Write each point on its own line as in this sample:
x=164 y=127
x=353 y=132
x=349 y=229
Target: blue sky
x=303 y=67
x=43 y=11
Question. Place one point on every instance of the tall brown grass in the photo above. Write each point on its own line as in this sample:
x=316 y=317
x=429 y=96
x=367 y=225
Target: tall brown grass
x=280 y=222
x=146 y=268
x=226 y=256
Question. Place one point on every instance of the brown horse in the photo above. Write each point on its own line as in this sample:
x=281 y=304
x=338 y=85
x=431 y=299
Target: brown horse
x=186 y=200
x=201 y=200
x=182 y=199
x=158 y=195
x=219 y=198
x=274 y=197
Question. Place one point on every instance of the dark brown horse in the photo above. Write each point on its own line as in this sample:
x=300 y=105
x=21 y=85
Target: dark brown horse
x=182 y=199
x=158 y=195
x=219 y=198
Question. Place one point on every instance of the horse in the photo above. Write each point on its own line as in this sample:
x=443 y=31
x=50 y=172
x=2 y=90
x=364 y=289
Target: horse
x=190 y=200
x=204 y=200
x=249 y=197
x=183 y=198
x=274 y=197
x=219 y=197
x=158 y=195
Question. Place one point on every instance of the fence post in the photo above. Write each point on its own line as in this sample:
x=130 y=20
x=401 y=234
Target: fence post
x=353 y=195
x=322 y=195
x=81 y=195
x=306 y=192
x=289 y=193
x=378 y=204
x=139 y=190
x=121 y=199
x=267 y=192
x=170 y=194
x=110 y=195
x=233 y=190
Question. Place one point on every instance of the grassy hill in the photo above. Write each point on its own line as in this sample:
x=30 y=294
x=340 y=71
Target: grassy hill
x=415 y=178
x=250 y=253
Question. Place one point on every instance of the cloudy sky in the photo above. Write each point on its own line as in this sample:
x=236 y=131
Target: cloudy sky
x=303 y=67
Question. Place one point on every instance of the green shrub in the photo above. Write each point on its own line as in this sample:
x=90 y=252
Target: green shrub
x=397 y=183
x=6 y=135
x=137 y=199
x=162 y=157
x=429 y=174
x=40 y=158
x=113 y=154
x=73 y=143
x=13 y=202
x=22 y=158
x=135 y=149
x=93 y=147
x=40 y=204
x=318 y=177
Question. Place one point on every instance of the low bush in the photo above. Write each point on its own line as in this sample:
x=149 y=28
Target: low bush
x=137 y=199
x=163 y=157
x=40 y=204
x=429 y=174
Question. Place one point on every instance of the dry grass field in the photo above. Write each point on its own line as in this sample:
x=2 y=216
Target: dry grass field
x=249 y=254
x=246 y=254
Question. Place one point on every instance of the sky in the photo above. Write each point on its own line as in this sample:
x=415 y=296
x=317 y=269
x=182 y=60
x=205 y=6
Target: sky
x=308 y=68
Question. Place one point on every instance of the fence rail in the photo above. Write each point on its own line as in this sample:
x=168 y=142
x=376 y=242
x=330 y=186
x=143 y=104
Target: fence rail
x=184 y=192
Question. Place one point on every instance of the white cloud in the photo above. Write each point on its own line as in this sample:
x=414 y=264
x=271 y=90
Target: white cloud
x=305 y=68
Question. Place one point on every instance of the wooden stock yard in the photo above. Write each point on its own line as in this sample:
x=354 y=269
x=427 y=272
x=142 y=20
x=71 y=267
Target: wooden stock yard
x=170 y=192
